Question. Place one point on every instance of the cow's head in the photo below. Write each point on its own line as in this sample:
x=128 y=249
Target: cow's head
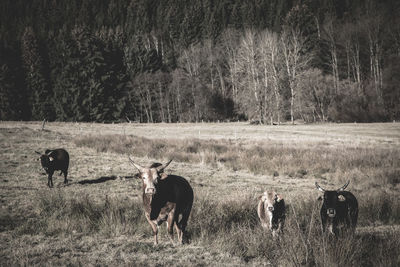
x=331 y=199
x=270 y=199
x=150 y=176
x=45 y=159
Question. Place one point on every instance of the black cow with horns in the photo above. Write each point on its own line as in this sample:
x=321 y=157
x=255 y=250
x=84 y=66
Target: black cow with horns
x=165 y=198
x=339 y=209
x=53 y=160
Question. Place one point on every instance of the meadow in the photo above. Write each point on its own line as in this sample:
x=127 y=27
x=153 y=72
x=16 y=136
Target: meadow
x=97 y=218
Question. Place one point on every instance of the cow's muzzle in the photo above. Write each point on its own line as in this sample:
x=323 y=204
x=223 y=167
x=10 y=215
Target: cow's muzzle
x=271 y=208
x=150 y=191
x=331 y=212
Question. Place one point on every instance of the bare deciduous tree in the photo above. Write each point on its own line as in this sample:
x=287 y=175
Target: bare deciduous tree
x=229 y=42
x=372 y=28
x=351 y=39
x=295 y=60
x=190 y=62
x=315 y=95
x=331 y=36
x=270 y=57
x=249 y=80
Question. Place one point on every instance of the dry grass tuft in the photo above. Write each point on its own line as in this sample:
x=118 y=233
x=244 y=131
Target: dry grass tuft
x=57 y=214
x=97 y=219
x=229 y=225
x=380 y=165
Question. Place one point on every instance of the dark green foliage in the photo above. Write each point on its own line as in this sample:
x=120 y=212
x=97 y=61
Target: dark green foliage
x=92 y=60
x=89 y=76
x=13 y=99
x=37 y=83
x=391 y=93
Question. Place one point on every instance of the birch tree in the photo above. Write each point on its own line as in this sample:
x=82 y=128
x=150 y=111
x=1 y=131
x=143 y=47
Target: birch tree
x=331 y=36
x=295 y=61
x=249 y=77
x=230 y=46
x=350 y=36
x=372 y=28
x=269 y=54
x=190 y=63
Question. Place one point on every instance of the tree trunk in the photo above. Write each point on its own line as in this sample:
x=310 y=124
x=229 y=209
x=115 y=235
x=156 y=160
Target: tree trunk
x=161 y=102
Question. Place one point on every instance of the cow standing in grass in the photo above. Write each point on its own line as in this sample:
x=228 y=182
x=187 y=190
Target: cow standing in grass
x=165 y=198
x=272 y=212
x=339 y=209
x=53 y=160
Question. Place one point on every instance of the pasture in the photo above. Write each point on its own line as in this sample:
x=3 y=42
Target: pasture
x=97 y=218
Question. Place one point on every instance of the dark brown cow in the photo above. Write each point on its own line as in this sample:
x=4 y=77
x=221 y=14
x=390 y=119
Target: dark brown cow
x=339 y=209
x=272 y=212
x=53 y=160
x=165 y=198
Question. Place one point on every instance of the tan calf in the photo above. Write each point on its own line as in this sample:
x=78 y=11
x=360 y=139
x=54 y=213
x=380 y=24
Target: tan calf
x=271 y=211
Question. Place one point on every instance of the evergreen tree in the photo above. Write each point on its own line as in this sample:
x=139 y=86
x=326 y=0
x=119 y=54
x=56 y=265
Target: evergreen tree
x=37 y=84
x=13 y=100
x=65 y=65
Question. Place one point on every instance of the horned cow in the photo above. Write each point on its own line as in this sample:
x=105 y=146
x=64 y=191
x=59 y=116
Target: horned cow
x=272 y=212
x=165 y=198
x=339 y=210
x=53 y=160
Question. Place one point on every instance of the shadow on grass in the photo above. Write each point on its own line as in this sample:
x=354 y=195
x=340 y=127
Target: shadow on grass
x=98 y=180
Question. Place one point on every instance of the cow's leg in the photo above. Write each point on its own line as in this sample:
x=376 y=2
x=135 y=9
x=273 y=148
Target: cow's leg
x=153 y=227
x=279 y=228
x=281 y=224
x=65 y=177
x=179 y=226
x=271 y=223
x=178 y=232
x=50 y=179
x=183 y=222
x=334 y=230
x=170 y=225
x=332 y=226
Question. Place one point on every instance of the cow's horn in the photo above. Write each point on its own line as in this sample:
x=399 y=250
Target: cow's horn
x=38 y=152
x=343 y=187
x=319 y=188
x=162 y=167
x=140 y=168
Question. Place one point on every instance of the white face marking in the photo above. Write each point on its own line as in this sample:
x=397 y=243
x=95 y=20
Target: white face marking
x=150 y=179
x=269 y=201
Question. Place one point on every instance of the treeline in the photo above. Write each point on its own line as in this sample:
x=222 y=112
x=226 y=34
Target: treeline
x=178 y=61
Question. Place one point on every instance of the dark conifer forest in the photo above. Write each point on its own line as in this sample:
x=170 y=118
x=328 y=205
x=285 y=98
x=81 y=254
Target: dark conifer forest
x=267 y=61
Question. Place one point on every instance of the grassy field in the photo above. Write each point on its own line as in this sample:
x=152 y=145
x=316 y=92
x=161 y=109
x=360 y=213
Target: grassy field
x=97 y=218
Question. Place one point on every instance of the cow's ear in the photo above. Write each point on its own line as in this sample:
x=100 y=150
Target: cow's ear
x=279 y=197
x=341 y=198
x=137 y=175
x=319 y=198
x=163 y=176
x=51 y=158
